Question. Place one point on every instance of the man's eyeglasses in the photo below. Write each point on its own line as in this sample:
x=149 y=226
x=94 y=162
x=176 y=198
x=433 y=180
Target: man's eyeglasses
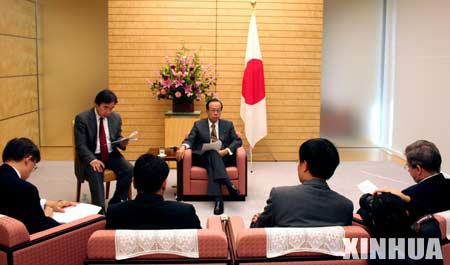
x=35 y=167
x=216 y=110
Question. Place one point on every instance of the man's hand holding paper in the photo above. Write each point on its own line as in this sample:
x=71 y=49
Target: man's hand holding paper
x=125 y=140
x=212 y=146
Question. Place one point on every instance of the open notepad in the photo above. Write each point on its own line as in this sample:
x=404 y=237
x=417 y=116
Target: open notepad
x=131 y=137
x=212 y=146
x=76 y=212
x=367 y=187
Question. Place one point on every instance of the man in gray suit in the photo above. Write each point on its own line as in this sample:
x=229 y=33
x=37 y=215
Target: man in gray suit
x=313 y=203
x=95 y=131
x=210 y=130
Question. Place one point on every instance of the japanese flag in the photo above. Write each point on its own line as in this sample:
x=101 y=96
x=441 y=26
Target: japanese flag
x=253 y=99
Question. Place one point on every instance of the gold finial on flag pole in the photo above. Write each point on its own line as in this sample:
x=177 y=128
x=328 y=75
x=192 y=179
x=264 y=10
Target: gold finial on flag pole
x=253 y=2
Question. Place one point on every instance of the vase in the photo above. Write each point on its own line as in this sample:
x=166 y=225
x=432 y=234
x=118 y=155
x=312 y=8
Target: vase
x=182 y=106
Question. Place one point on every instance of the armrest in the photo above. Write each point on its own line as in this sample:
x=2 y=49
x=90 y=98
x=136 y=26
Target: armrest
x=430 y=225
x=241 y=163
x=248 y=242
x=66 y=243
x=236 y=224
x=12 y=232
x=214 y=223
x=68 y=227
x=241 y=160
x=187 y=165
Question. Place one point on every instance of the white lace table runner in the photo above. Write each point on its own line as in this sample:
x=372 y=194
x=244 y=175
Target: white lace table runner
x=446 y=216
x=133 y=243
x=326 y=240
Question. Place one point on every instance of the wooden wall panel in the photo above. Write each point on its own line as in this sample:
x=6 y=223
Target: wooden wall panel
x=21 y=95
x=18 y=56
x=25 y=125
x=18 y=71
x=17 y=18
x=143 y=32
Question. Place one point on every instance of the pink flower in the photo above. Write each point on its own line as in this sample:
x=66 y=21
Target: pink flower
x=166 y=83
x=187 y=89
x=177 y=94
x=198 y=83
x=163 y=91
x=179 y=83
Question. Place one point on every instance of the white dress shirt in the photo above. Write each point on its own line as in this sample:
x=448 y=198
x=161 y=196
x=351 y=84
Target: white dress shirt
x=217 y=133
x=108 y=139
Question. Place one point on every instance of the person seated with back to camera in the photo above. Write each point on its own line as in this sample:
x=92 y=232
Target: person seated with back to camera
x=149 y=210
x=313 y=203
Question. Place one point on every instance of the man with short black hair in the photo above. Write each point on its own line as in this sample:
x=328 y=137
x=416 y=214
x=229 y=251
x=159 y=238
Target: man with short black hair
x=149 y=210
x=207 y=131
x=96 y=134
x=312 y=204
x=432 y=191
x=20 y=199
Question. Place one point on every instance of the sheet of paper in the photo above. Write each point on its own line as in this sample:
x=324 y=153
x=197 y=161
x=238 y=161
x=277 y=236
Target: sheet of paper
x=367 y=187
x=76 y=212
x=131 y=137
x=212 y=146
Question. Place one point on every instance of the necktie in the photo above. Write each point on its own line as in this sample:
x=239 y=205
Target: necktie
x=103 y=145
x=213 y=133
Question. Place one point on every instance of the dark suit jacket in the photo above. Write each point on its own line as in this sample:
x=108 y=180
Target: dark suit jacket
x=312 y=204
x=20 y=199
x=430 y=196
x=151 y=211
x=200 y=135
x=86 y=138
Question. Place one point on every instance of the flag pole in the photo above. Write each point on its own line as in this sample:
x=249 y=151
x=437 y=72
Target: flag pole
x=253 y=3
x=251 y=159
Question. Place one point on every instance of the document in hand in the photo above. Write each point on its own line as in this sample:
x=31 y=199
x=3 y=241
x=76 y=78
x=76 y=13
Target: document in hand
x=367 y=187
x=212 y=146
x=76 y=212
x=131 y=137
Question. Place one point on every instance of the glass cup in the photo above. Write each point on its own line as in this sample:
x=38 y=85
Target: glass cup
x=162 y=152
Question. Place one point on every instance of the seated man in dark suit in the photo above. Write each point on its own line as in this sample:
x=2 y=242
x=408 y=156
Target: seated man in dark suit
x=149 y=210
x=96 y=133
x=20 y=199
x=313 y=203
x=431 y=194
x=207 y=131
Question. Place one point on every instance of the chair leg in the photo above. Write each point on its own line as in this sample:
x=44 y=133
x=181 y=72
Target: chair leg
x=78 y=190
x=107 y=190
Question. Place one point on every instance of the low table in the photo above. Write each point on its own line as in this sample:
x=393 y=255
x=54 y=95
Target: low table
x=170 y=152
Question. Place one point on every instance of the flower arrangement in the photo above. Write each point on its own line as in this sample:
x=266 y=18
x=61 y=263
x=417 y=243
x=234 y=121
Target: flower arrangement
x=184 y=79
